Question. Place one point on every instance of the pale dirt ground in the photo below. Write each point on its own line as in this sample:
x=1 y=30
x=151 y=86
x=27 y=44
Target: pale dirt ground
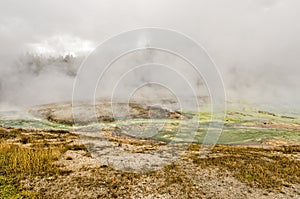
x=93 y=177
x=100 y=171
x=89 y=178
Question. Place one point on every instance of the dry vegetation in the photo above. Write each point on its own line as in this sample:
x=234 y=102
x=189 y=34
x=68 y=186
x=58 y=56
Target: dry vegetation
x=264 y=168
x=41 y=165
x=27 y=154
x=19 y=162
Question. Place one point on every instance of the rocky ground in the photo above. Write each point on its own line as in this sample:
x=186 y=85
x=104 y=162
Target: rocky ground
x=228 y=172
x=101 y=111
x=113 y=161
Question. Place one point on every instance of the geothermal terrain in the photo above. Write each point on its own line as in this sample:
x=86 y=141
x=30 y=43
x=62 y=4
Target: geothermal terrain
x=134 y=150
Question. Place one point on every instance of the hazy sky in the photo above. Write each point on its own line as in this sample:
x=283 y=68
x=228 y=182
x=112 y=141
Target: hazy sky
x=255 y=43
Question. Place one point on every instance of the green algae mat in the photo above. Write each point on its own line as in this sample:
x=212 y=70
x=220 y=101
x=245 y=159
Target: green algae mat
x=240 y=126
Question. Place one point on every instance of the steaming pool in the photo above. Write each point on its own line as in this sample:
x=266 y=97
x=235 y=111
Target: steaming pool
x=241 y=126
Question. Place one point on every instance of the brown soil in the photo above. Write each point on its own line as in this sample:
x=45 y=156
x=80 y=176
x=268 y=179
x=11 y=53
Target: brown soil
x=228 y=172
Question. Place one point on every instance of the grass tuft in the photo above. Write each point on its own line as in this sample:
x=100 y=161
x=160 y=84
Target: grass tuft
x=19 y=162
x=23 y=161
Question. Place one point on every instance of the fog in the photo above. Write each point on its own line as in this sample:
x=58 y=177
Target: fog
x=254 y=43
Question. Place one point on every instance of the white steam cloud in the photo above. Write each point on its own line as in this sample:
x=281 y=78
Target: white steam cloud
x=255 y=43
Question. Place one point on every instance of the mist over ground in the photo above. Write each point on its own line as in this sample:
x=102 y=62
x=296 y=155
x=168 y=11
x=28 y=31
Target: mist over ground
x=254 y=43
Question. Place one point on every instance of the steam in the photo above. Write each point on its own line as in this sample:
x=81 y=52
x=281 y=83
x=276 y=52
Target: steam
x=255 y=43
